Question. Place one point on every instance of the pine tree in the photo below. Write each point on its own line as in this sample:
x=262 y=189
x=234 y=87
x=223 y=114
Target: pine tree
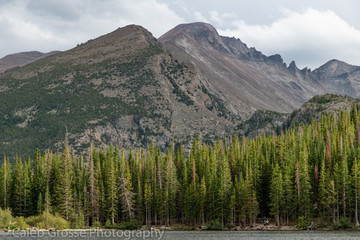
x=225 y=191
x=5 y=184
x=47 y=201
x=276 y=193
x=64 y=185
x=126 y=192
x=202 y=199
x=356 y=182
x=110 y=187
x=39 y=205
x=148 y=196
x=304 y=201
x=18 y=191
x=39 y=178
x=251 y=204
x=324 y=189
x=27 y=186
x=289 y=194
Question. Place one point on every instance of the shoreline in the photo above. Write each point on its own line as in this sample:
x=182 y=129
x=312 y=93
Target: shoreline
x=185 y=228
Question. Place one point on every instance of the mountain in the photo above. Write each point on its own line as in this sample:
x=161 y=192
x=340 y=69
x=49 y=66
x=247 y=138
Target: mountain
x=129 y=89
x=243 y=78
x=329 y=104
x=265 y=121
x=21 y=59
x=122 y=88
x=339 y=78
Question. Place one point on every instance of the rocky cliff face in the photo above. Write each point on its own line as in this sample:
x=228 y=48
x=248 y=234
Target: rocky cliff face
x=339 y=78
x=243 y=78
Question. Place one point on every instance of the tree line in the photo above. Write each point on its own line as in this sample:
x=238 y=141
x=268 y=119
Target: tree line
x=307 y=172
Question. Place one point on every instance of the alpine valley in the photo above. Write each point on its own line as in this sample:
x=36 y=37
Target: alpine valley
x=129 y=89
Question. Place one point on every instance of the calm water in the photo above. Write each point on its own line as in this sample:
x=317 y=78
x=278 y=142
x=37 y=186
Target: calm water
x=190 y=235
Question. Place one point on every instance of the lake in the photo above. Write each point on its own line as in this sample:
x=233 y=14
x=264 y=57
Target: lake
x=188 y=235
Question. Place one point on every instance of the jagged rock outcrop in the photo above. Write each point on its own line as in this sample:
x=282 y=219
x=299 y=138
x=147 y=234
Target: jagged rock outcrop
x=243 y=78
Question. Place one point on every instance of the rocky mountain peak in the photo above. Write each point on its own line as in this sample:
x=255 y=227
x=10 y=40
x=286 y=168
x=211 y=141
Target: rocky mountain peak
x=293 y=68
x=276 y=58
x=333 y=68
x=200 y=33
x=128 y=34
x=198 y=30
x=124 y=42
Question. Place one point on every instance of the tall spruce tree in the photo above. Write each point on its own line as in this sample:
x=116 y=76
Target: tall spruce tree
x=64 y=185
x=277 y=193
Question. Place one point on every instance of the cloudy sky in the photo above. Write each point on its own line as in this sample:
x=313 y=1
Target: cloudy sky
x=311 y=32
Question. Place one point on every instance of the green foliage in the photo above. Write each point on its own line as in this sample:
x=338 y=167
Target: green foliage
x=169 y=72
x=63 y=92
x=132 y=224
x=6 y=219
x=310 y=171
x=214 y=225
x=323 y=99
x=96 y=224
x=276 y=192
x=108 y=224
x=302 y=222
x=21 y=223
x=217 y=103
x=46 y=221
x=343 y=223
x=78 y=221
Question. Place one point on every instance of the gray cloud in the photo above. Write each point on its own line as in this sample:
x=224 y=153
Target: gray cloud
x=331 y=30
x=65 y=11
x=47 y=25
x=310 y=37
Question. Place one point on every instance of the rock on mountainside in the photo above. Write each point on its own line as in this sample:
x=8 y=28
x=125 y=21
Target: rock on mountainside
x=246 y=80
x=21 y=59
x=243 y=78
x=339 y=78
x=267 y=121
x=122 y=89
x=329 y=104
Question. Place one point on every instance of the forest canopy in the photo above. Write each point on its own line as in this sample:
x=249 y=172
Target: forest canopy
x=309 y=172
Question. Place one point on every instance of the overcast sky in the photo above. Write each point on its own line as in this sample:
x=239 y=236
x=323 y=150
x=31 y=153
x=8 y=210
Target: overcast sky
x=311 y=32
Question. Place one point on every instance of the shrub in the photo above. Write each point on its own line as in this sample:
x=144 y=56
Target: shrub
x=131 y=224
x=20 y=223
x=47 y=220
x=214 y=225
x=343 y=223
x=96 y=224
x=302 y=222
x=320 y=223
x=108 y=224
x=78 y=221
x=6 y=219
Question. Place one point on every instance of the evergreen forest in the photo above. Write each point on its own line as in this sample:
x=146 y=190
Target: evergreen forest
x=308 y=173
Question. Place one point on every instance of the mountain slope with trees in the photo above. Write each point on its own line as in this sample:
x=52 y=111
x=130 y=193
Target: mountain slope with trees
x=122 y=89
x=307 y=173
x=129 y=89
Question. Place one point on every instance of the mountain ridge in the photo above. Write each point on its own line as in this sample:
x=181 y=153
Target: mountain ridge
x=127 y=88
x=21 y=59
x=240 y=72
x=122 y=88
